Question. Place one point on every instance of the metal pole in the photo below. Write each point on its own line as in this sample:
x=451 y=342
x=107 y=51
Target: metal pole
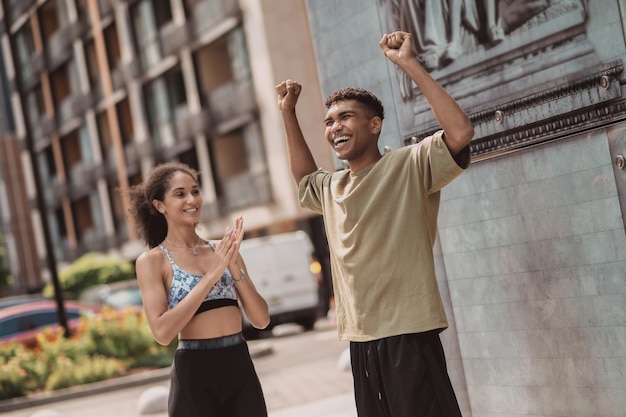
x=39 y=195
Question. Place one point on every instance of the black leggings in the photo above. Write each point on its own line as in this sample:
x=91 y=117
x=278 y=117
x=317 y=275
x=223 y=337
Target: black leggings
x=215 y=381
x=402 y=376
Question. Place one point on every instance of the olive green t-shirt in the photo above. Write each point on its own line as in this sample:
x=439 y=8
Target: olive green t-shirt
x=381 y=226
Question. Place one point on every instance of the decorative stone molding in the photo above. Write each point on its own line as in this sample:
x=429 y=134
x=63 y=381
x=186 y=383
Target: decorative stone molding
x=589 y=102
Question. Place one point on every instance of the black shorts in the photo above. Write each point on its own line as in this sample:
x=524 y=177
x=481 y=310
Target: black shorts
x=215 y=377
x=402 y=376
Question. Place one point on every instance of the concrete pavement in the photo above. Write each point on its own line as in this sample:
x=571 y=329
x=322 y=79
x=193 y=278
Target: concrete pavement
x=337 y=406
x=307 y=389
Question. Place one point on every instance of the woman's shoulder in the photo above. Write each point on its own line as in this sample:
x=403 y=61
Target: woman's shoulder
x=151 y=256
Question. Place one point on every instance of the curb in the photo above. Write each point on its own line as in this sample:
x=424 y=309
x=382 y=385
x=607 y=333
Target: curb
x=143 y=378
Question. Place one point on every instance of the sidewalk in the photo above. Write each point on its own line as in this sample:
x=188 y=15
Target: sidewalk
x=313 y=388
x=339 y=406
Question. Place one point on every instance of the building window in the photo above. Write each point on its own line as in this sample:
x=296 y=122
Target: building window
x=165 y=97
x=64 y=81
x=89 y=222
x=25 y=48
x=114 y=54
x=49 y=19
x=238 y=52
x=148 y=16
x=240 y=169
x=212 y=65
x=58 y=233
x=48 y=173
x=190 y=158
x=92 y=67
x=76 y=148
x=125 y=120
x=224 y=77
x=35 y=112
x=15 y=8
x=106 y=142
x=206 y=14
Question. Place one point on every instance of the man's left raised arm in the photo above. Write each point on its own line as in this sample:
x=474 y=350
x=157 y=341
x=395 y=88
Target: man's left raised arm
x=459 y=131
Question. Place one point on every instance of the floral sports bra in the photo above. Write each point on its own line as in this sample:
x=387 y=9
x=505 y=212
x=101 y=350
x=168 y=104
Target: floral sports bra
x=222 y=294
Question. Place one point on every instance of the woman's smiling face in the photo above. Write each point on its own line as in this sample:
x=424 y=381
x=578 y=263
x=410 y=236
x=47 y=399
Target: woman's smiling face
x=182 y=201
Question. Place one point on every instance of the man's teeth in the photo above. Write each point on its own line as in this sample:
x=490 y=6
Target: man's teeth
x=340 y=140
x=193 y=210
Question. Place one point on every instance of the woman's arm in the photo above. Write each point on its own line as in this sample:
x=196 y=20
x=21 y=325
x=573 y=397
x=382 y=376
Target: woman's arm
x=166 y=324
x=254 y=305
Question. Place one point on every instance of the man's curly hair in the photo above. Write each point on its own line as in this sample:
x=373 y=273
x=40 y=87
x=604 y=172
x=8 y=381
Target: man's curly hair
x=368 y=100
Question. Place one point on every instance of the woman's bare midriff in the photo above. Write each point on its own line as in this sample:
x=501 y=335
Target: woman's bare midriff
x=219 y=322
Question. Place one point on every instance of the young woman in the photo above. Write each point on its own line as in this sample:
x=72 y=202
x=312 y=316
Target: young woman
x=191 y=288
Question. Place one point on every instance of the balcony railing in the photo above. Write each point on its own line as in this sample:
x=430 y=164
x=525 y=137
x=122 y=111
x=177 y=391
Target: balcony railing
x=207 y=14
x=81 y=174
x=117 y=77
x=131 y=155
x=48 y=125
x=188 y=125
x=66 y=110
x=245 y=190
x=105 y=6
x=174 y=35
x=60 y=42
x=31 y=69
x=48 y=190
x=150 y=53
x=59 y=190
x=231 y=100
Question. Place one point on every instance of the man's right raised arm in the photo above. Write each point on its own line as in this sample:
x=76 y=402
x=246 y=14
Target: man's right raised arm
x=301 y=160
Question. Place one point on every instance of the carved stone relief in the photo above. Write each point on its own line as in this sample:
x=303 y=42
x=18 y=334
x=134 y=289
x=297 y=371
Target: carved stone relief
x=514 y=65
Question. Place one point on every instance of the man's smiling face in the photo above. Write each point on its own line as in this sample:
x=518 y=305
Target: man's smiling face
x=352 y=132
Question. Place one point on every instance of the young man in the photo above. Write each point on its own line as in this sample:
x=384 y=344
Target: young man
x=380 y=218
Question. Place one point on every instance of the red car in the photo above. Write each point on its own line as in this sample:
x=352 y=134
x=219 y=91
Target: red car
x=22 y=323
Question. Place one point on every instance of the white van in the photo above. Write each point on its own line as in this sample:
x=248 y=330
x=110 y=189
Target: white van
x=282 y=268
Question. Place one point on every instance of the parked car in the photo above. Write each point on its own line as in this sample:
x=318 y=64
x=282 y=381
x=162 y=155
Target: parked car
x=286 y=274
x=116 y=295
x=21 y=323
x=14 y=300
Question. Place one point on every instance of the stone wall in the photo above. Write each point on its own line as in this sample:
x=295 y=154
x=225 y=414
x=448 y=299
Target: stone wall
x=533 y=246
x=531 y=255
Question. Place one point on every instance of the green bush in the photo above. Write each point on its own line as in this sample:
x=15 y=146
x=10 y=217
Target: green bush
x=107 y=345
x=120 y=336
x=89 y=270
x=5 y=273
x=12 y=377
x=69 y=373
x=21 y=373
x=53 y=344
x=8 y=351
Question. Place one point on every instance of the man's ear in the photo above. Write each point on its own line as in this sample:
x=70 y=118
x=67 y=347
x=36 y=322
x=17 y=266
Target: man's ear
x=376 y=124
x=158 y=205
